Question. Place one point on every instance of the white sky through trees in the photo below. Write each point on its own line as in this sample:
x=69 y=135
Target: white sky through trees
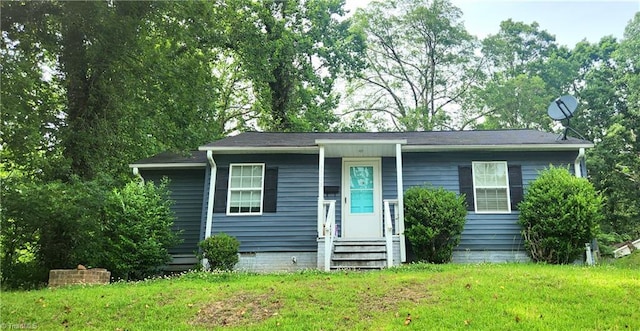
x=570 y=20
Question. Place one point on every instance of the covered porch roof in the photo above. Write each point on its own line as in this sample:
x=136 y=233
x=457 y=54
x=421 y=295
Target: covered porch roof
x=359 y=147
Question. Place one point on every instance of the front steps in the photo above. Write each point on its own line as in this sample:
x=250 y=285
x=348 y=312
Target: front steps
x=359 y=254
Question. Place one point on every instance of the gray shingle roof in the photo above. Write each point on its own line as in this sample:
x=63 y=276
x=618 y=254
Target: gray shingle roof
x=435 y=138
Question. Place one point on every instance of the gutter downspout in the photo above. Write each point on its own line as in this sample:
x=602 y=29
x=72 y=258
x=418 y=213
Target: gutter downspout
x=321 y=193
x=400 y=190
x=210 y=200
x=136 y=172
x=212 y=193
x=577 y=165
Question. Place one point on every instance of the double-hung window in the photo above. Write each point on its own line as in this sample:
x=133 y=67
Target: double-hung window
x=246 y=189
x=491 y=187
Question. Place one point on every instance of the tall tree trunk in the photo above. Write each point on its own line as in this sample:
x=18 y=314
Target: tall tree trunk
x=75 y=67
x=280 y=98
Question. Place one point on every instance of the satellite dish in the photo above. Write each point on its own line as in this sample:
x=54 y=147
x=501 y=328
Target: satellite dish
x=563 y=108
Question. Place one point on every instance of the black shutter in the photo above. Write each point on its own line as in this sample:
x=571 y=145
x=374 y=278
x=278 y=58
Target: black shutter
x=220 y=198
x=270 y=190
x=515 y=185
x=465 y=179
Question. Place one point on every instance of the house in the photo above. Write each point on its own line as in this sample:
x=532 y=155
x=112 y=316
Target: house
x=265 y=189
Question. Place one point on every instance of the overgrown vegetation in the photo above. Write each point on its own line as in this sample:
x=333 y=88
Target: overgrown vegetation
x=434 y=220
x=559 y=214
x=221 y=251
x=59 y=225
x=437 y=297
x=46 y=226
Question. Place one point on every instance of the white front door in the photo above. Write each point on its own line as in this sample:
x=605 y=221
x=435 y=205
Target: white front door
x=361 y=198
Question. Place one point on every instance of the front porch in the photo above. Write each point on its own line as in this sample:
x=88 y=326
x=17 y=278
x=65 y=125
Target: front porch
x=362 y=227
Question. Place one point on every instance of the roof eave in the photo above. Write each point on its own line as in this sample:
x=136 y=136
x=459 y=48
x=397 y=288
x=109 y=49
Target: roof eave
x=515 y=147
x=167 y=165
x=407 y=148
x=262 y=150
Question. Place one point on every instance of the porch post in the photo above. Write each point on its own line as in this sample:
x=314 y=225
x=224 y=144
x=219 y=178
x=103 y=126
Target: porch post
x=400 y=188
x=321 y=192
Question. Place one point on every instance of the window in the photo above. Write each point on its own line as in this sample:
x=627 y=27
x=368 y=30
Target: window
x=269 y=191
x=245 y=189
x=466 y=179
x=491 y=187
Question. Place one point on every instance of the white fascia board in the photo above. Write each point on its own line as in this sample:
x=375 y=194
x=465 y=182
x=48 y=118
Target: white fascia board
x=167 y=165
x=523 y=147
x=254 y=149
x=361 y=141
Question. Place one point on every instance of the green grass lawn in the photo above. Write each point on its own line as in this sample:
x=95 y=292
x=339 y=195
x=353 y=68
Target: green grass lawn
x=480 y=297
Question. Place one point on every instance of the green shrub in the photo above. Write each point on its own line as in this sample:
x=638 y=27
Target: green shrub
x=559 y=214
x=221 y=251
x=434 y=220
x=137 y=230
x=47 y=226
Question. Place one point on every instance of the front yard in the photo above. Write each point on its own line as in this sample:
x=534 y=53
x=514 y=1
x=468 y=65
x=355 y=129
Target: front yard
x=497 y=297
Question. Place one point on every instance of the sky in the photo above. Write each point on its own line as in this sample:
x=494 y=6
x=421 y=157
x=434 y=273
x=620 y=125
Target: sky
x=569 y=20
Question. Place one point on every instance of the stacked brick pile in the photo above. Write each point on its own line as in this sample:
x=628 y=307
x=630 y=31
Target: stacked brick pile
x=62 y=277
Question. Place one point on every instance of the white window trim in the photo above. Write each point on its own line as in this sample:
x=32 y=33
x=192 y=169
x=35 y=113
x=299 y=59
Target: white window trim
x=475 y=193
x=229 y=190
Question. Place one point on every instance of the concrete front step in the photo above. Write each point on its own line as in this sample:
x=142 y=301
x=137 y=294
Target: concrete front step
x=343 y=242
x=355 y=256
x=347 y=267
x=366 y=254
x=360 y=263
x=359 y=249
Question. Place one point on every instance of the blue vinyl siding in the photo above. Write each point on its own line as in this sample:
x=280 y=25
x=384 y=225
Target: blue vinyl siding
x=187 y=187
x=293 y=227
x=482 y=231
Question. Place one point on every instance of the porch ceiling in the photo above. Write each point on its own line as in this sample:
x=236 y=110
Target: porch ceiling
x=359 y=148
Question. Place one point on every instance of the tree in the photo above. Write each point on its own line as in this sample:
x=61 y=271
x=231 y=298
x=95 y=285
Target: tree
x=527 y=70
x=518 y=47
x=515 y=103
x=420 y=61
x=304 y=47
x=117 y=81
x=611 y=100
x=104 y=103
x=596 y=87
x=31 y=98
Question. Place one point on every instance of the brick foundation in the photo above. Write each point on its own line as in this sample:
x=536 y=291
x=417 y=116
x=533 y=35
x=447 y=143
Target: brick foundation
x=62 y=277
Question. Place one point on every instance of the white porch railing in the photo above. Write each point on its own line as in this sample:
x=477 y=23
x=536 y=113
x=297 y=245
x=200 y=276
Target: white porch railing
x=329 y=230
x=391 y=226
